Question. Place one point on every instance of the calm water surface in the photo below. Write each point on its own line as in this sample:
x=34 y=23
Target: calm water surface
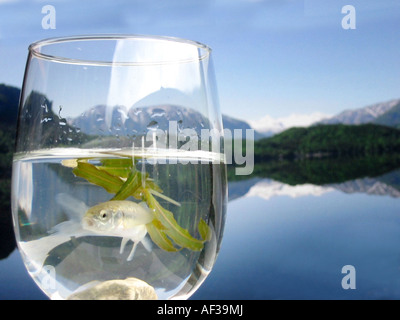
x=287 y=247
x=290 y=242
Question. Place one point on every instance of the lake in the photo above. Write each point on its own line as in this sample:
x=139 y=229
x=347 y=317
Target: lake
x=291 y=241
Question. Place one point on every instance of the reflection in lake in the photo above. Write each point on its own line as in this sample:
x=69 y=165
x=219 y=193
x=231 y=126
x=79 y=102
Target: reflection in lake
x=290 y=241
x=295 y=248
x=268 y=188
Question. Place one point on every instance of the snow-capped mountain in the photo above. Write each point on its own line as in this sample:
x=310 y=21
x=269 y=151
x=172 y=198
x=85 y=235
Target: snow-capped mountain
x=269 y=126
x=385 y=113
x=118 y=120
x=233 y=123
x=136 y=121
x=362 y=115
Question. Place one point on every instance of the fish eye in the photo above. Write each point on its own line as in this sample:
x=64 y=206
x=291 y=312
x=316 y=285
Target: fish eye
x=103 y=214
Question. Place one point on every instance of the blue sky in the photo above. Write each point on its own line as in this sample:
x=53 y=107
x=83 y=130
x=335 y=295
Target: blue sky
x=272 y=57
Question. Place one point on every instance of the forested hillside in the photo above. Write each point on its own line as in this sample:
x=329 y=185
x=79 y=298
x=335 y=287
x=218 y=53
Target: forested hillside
x=329 y=141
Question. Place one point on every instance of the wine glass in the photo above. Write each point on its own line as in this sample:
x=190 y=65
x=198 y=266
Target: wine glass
x=119 y=175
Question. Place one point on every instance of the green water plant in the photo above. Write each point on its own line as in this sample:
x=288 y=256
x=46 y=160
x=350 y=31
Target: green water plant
x=121 y=178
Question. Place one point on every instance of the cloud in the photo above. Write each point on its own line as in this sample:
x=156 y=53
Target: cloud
x=275 y=125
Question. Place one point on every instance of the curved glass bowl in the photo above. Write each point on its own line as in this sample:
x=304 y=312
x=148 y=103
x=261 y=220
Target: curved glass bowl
x=118 y=190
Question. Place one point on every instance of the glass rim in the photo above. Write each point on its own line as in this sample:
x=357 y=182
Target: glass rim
x=35 y=46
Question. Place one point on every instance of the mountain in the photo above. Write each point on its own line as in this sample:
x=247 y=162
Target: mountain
x=137 y=121
x=118 y=120
x=232 y=123
x=122 y=121
x=391 y=117
x=268 y=126
x=9 y=99
x=384 y=113
x=44 y=127
x=369 y=114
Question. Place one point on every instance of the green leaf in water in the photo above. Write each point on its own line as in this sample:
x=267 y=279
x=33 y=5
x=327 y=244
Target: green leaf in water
x=159 y=237
x=117 y=167
x=129 y=187
x=152 y=185
x=173 y=230
x=91 y=173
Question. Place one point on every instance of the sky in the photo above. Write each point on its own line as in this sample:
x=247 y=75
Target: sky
x=272 y=58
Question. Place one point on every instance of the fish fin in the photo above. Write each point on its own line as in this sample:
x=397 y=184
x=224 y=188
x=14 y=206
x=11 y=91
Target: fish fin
x=147 y=244
x=144 y=205
x=73 y=207
x=124 y=241
x=65 y=227
x=130 y=257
